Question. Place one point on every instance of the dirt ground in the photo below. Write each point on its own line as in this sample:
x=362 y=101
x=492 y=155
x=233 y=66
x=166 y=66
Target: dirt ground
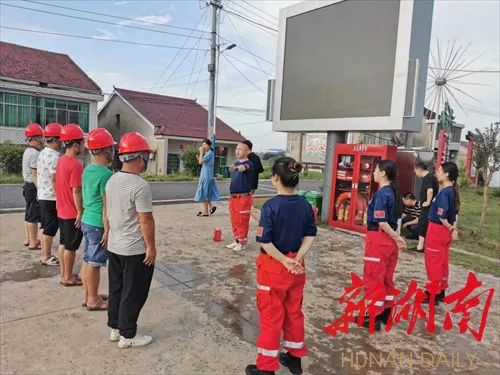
x=201 y=311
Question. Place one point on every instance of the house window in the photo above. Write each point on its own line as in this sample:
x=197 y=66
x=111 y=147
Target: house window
x=18 y=110
x=220 y=158
x=173 y=163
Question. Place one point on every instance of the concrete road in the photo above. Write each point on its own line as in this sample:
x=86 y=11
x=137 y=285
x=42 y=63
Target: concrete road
x=11 y=195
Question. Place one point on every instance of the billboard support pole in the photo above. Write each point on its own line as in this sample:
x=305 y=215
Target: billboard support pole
x=331 y=140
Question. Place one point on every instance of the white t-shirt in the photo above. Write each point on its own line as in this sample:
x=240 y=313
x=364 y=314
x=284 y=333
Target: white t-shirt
x=30 y=157
x=127 y=194
x=46 y=166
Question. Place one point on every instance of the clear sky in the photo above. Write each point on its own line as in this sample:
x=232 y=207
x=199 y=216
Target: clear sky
x=243 y=77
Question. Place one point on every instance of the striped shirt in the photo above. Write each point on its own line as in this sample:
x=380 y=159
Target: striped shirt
x=412 y=211
x=127 y=195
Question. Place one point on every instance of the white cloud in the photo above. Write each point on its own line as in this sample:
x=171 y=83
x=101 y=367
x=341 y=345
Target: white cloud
x=105 y=35
x=119 y=3
x=160 y=20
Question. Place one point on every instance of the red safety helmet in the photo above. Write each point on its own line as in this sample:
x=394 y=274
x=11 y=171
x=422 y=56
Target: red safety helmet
x=133 y=142
x=99 y=138
x=52 y=130
x=33 y=130
x=71 y=132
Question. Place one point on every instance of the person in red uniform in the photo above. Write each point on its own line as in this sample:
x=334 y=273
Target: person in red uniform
x=286 y=232
x=442 y=231
x=382 y=242
x=240 y=203
x=69 y=203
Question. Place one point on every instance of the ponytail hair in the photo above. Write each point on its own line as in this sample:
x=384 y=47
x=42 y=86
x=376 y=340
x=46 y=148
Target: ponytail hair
x=391 y=171
x=452 y=170
x=287 y=169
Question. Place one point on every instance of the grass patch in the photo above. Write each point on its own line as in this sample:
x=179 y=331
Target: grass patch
x=488 y=243
x=309 y=175
x=179 y=177
x=259 y=202
x=474 y=263
x=9 y=178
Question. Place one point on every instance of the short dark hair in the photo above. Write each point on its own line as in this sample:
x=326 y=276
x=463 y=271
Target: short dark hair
x=409 y=195
x=421 y=165
x=207 y=141
x=248 y=143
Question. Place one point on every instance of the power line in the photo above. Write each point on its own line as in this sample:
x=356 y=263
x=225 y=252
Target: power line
x=177 y=54
x=95 y=21
x=248 y=51
x=183 y=84
x=244 y=76
x=247 y=46
x=93 y=38
x=249 y=65
x=259 y=9
x=259 y=16
x=251 y=21
x=199 y=74
x=114 y=16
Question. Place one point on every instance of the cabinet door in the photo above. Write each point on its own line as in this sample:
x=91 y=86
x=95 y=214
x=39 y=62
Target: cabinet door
x=343 y=174
x=364 y=186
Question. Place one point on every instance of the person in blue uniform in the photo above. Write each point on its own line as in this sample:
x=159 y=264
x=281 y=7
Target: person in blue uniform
x=286 y=232
x=382 y=243
x=442 y=231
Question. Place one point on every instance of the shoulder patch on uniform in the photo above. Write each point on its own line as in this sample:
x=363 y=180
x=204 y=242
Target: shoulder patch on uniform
x=260 y=231
x=379 y=214
x=440 y=211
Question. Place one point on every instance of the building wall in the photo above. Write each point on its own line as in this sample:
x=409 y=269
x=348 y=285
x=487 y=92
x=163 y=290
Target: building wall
x=130 y=121
x=93 y=115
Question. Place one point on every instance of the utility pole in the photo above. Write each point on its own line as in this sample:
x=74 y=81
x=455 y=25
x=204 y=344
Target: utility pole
x=212 y=70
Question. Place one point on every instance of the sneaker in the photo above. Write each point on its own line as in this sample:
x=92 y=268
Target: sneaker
x=114 y=335
x=239 y=247
x=293 y=363
x=137 y=340
x=232 y=245
x=416 y=249
x=253 y=370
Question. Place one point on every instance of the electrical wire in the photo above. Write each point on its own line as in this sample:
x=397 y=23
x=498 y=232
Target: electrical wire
x=115 y=16
x=243 y=9
x=96 y=21
x=244 y=76
x=251 y=21
x=205 y=14
x=259 y=9
x=247 y=64
x=94 y=38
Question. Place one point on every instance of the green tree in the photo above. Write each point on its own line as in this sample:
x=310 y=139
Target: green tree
x=190 y=162
x=11 y=157
x=486 y=158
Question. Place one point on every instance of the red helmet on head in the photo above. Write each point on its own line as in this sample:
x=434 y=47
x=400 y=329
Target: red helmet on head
x=71 y=132
x=52 y=130
x=99 y=138
x=133 y=142
x=33 y=130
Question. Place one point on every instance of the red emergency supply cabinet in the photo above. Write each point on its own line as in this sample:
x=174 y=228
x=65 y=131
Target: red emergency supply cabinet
x=353 y=184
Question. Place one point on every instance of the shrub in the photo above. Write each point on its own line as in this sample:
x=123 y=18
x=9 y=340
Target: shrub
x=463 y=179
x=190 y=162
x=11 y=158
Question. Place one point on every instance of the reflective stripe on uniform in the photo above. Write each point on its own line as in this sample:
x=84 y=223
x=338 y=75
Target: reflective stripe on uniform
x=293 y=344
x=264 y=287
x=268 y=353
x=372 y=259
x=434 y=250
x=389 y=298
x=379 y=303
x=245 y=212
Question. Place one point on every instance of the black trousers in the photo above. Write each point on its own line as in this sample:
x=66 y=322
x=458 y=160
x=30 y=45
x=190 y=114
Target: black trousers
x=129 y=282
x=423 y=221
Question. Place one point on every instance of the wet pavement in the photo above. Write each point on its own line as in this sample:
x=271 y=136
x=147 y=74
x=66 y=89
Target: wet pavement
x=202 y=313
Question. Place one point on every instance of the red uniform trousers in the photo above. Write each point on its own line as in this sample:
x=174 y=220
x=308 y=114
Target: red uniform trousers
x=240 y=208
x=437 y=253
x=279 y=302
x=381 y=257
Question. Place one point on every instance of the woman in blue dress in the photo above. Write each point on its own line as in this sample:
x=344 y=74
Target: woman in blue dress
x=207 y=191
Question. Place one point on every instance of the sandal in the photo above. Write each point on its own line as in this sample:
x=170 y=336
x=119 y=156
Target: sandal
x=52 y=261
x=104 y=297
x=76 y=282
x=101 y=306
x=38 y=246
x=212 y=210
x=27 y=243
x=201 y=214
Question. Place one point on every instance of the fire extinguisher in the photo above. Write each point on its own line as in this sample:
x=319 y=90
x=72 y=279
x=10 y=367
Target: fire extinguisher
x=340 y=213
x=346 y=212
